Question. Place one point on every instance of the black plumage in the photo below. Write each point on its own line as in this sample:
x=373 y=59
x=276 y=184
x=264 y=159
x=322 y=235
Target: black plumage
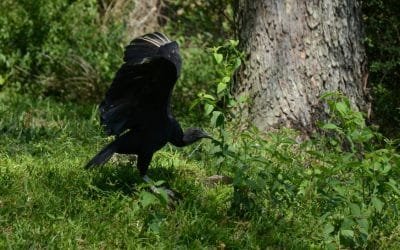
x=136 y=108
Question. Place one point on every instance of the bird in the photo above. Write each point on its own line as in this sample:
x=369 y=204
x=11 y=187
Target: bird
x=136 y=108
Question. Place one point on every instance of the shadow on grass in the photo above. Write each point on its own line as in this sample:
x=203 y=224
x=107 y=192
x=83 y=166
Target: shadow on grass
x=125 y=178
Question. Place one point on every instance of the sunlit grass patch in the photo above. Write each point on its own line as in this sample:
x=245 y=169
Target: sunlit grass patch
x=285 y=193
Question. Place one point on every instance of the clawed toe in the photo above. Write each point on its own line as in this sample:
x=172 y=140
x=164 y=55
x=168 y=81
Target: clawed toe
x=168 y=194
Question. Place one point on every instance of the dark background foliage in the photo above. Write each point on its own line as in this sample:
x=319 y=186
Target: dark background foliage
x=70 y=49
x=382 y=28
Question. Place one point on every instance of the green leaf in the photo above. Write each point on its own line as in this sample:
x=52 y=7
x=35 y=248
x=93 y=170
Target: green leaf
x=330 y=126
x=215 y=150
x=218 y=57
x=377 y=203
x=386 y=168
x=219 y=160
x=340 y=191
x=355 y=209
x=221 y=87
x=363 y=223
x=164 y=195
x=347 y=233
x=328 y=229
x=331 y=246
x=232 y=103
x=234 y=43
x=226 y=79
x=208 y=108
x=159 y=183
x=207 y=96
x=217 y=118
x=363 y=226
x=327 y=95
x=342 y=108
x=238 y=62
x=347 y=223
x=394 y=185
x=155 y=227
x=147 y=199
x=243 y=98
x=194 y=103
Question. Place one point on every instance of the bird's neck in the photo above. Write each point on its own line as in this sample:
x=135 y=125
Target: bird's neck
x=178 y=137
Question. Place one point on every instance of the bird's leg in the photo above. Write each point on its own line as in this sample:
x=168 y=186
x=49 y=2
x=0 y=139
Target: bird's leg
x=143 y=165
x=156 y=190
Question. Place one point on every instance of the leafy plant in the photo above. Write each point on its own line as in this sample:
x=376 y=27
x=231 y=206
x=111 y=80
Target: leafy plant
x=349 y=125
x=209 y=21
x=344 y=180
x=358 y=175
x=382 y=42
x=58 y=48
x=220 y=106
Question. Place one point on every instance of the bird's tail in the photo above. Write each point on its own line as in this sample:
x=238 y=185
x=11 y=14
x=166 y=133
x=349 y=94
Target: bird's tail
x=102 y=157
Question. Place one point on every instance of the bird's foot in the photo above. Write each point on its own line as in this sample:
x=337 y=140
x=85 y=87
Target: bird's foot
x=164 y=191
x=169 y=196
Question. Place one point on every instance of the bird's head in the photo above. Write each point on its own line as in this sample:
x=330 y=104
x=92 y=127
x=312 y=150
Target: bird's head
x=192 y=135
x=171 y=51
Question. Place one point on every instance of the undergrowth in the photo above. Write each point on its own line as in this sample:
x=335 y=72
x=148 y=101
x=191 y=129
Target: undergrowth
x=337 y=189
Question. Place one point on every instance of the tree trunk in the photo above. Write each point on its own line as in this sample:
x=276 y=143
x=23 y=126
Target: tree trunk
x=140 y=16
x=295 y=51
x=145 y=17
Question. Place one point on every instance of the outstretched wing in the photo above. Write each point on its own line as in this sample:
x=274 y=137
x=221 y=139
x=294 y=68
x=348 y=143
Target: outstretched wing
x=141 y=89
x=144 y=47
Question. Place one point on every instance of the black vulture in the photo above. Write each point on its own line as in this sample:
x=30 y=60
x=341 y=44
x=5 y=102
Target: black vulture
x=136 y=108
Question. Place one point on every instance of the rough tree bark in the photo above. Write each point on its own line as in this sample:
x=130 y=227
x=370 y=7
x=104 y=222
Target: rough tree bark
x=140 y=16
x=295 y=51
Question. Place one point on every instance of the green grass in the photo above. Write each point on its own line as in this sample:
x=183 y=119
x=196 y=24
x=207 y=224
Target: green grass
x=47 y=199
x=285 y=194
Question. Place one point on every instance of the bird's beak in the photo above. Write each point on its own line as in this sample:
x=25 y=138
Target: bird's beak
x=209 y=137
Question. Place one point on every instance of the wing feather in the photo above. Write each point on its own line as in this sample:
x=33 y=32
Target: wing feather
x=145 y=46
x=138 y=96
x=141 y=89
